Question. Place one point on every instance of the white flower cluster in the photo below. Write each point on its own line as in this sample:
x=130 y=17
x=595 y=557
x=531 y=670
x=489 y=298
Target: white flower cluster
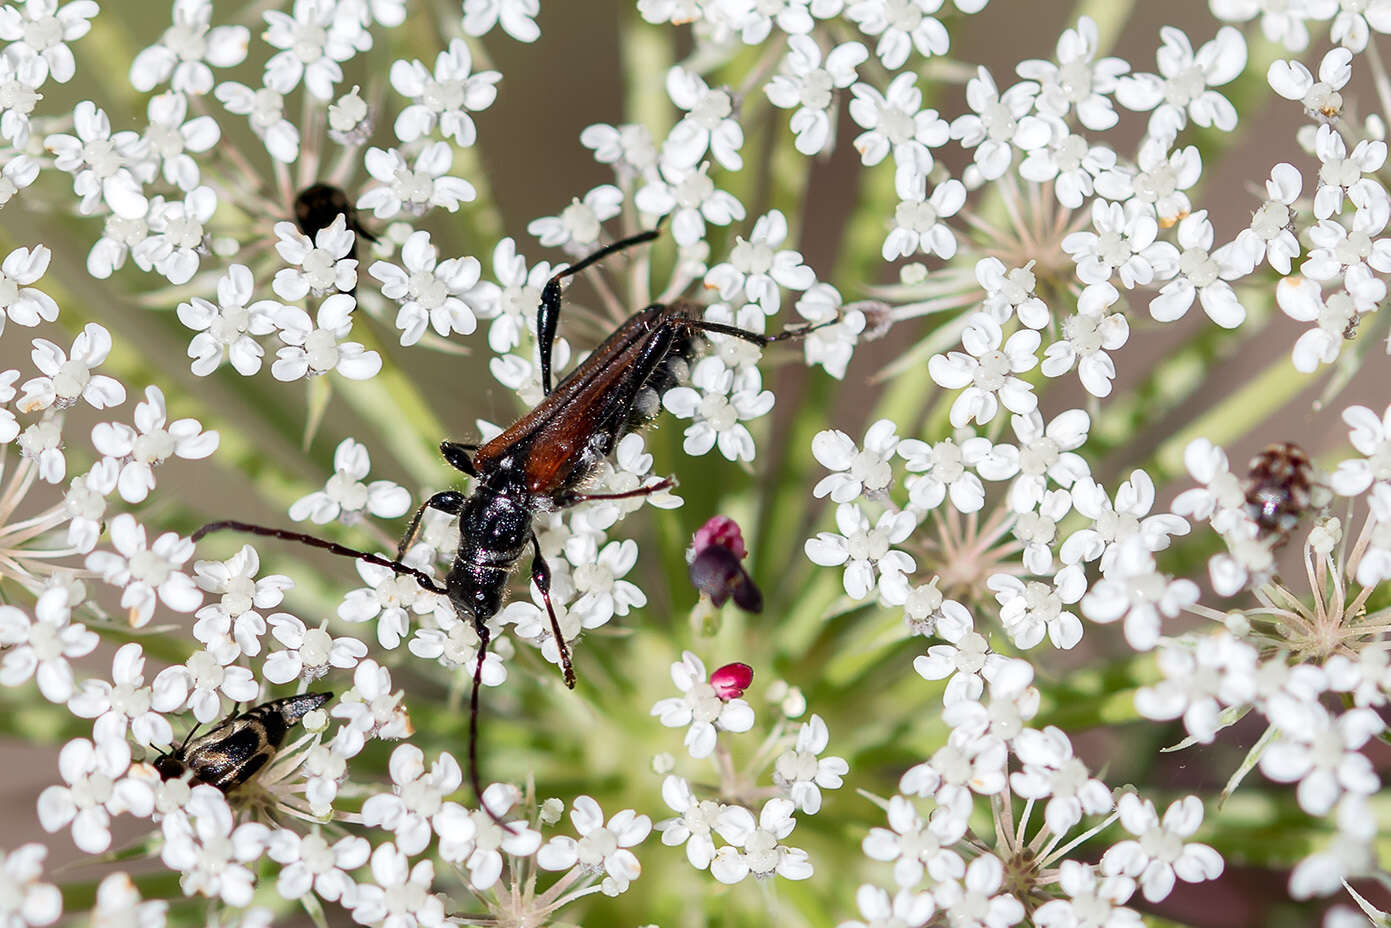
x=710 y=705
x=942 y=864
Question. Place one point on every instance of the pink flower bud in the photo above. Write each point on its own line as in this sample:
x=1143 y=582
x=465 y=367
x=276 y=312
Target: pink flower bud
x=722 y=531
x=731 y=680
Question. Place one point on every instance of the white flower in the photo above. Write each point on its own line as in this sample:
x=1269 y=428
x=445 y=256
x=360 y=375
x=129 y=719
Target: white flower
x=517 y=17
x=346 y=497
x=690 y=197
x=755 y=270
x=918 y=218
x=400 y=895
x=695 y=826
x=1160 y=854
x=628 y=147
x=901 y=27
x=320 y=265
x=175 y=244
x=896 y=122
x=1280 y=21
x=1115 y=523
x=1270 y=236
x=38 y=35
x=40 y=647
x=1353 y=21
x=370 y=708
x=476 y=840
x=806 y=82
x=211 y=675
x=413 y=188
x=118 y=905
x=308 y=862
x=579 y=225
x=102 y=164
x=707 y=126
x=1125 y=241
x=719 y=401
x=1333 y=316
x=755 y=846
x=19 y=302
x=19 y=82
x=1091 y=900
x=1135 y=590
x=1292 y=80
x=831 y=345
x=986 y=375
x=998 y=124
x=126 y=702
x=144 y=571
x=601 y=848
x=907 y=909
x=597 y=575
x=1077 y=80
x=97 y=789
x=416 y=795
x=67 y=379
x=313 y=43
x=314 y=347
x=1201 y=273
x=1028 y=609
x=431 y=292
x=211 y=854
x=266 y=110
x=1047 y=453
x=443 y=98
x=1372 y=437
x=1180 y=91
x=1323 y=754
x=174 y=141
x=1162 y=179
x=225 y=330
x=700 y=708
x=186 y=49
x=943 y=469
x=868 y=472
x=864 y=549
x=150 y=443
x=233 y=622
x=1051 y=771
x=388 y=597
x=85 y=504
x=979 y=893
x=802 y=774
x=309 y=652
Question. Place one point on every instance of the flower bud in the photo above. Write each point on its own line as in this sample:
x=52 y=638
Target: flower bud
x=731 y=680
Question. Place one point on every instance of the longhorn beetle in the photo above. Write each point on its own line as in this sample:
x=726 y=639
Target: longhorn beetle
x=540 y=462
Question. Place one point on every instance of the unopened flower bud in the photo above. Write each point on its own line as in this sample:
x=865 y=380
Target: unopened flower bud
x=715 y=570
x=731 y=680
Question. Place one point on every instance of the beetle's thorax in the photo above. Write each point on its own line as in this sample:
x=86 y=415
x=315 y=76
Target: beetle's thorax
x=494 y=530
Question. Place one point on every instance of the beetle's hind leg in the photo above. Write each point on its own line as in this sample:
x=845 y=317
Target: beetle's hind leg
x=541 y=576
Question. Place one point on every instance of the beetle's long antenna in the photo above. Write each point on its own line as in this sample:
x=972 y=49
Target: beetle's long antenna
x=548 y=312
x=420 y=576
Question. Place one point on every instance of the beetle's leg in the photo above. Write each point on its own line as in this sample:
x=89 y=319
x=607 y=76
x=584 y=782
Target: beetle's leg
x=541 y=576
x=457 y=454
x=574 y=499
x=420 y=576
x=449 y=502
x=548 y=313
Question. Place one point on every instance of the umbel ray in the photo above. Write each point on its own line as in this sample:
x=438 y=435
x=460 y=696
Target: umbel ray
x=541 y=462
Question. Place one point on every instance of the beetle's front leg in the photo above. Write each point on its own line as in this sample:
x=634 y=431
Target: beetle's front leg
x=450 y=502
x=541 y=576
